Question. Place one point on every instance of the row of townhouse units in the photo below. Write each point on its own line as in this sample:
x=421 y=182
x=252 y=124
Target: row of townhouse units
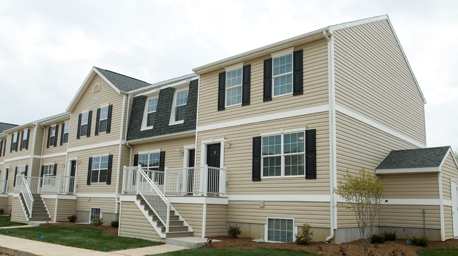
x=259 y=140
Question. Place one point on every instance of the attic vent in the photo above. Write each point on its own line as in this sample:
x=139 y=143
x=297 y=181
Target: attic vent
x=96 y=88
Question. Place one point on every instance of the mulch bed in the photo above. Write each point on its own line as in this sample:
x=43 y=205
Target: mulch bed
x=108 y=230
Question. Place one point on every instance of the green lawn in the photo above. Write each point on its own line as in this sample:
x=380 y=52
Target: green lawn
x=81 y=237
x=437 y=252
x=5 y=222
x=239 y=252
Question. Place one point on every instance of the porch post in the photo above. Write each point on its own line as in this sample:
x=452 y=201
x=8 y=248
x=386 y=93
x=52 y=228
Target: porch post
x=58 y=184
x=205 y=185
x=165 y=184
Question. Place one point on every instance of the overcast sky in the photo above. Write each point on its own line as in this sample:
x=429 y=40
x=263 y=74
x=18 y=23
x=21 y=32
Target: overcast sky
x=47 y=48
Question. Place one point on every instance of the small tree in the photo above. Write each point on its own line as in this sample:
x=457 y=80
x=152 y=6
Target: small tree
x=362 y=194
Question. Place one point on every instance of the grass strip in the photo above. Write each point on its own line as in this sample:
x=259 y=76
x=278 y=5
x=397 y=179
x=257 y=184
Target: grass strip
x=6 y=222
x=437 y=252
x=239 y=252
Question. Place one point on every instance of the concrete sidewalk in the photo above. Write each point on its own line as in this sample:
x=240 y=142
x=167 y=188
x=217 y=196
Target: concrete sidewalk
x=23 y=247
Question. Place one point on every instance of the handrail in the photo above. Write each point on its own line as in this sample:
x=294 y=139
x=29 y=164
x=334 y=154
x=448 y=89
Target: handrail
x=27 y=194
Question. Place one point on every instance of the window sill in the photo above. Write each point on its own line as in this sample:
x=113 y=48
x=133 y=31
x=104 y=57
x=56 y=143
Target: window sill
x=177 y=122
x=277 y=96
x=279 y=177
x=235 y=105
x=146 y=128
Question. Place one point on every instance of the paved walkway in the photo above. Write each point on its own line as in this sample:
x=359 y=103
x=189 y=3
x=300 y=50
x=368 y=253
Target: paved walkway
x=23 y=247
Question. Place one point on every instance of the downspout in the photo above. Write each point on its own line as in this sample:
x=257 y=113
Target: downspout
x=127 y=126
x=42 y=147
x=332 y=135
x=32 y=153
x=119 y=153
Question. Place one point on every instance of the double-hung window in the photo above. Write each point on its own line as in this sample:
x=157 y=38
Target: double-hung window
x=25 y=139
x=99 y=169
x=150 y=162
x=282 y=70
x=234 y=87
x=65 y=131
x=103 y=122
x=14 y=141
x=283 y=155
x=49 y=170
x=180 y=105
x=52 y=136
x=84 y=124
x=151 y=111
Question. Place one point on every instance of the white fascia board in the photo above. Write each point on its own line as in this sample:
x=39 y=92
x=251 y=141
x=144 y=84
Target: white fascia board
x=451 y=153
x=106 y=80
x=54 y=155
x=163 y=137
x=198 y=200
x=93 y=146
x=83 y=86
x=281 y=197
x=357 y=23
x=55 y=119
x=17 y=158
x=407 y=170
x=411 y=201
x=51 y=196
x=96 y=195
x=159 y=84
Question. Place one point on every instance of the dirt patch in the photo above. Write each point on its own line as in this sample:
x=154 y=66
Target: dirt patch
x=106 y=229
x=355 y=248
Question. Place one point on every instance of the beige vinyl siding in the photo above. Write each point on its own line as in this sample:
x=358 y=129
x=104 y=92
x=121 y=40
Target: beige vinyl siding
x=314 y=213
x=92 y=101
x=410 y=216
x=359 y=145
x=58 y=148
x=36 y=168
x=372 y=78
x=106 y=204
x=125 y=158
x=134 y=224
x=19 y=152
x=18 y=214
x=315 y=82
x=193 y=214
x=38 y=141
x=65 y=208
x=82 y=170
x=3 y=202
x=448 y=222
x=51 y=206
x=406 y=185
x=59 y=160
x=216 y=222
x=347 y=219
x=449 y=173
x=238 y=158
x=12 y=170
x=172 y=158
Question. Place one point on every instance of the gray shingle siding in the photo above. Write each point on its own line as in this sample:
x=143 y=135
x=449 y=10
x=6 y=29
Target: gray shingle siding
x=414 y=158
x=163 y=111
x=5 y=126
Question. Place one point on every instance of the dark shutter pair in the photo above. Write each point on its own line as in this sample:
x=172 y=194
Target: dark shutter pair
x=109 y=171
x=297 y=76
x=310 y=156
x=97 y=121
x=246 y=83
x=15 y=174
x=89 y=120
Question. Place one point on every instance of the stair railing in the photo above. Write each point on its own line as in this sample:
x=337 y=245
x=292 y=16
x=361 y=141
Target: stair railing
x=26 y=193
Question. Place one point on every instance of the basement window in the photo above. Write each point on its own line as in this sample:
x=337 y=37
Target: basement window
x=280 y=230
x=95 y=213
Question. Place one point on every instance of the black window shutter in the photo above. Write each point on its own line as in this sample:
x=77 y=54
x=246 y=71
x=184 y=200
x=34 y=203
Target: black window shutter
x=41 y=175
x=310 y=154
x=4 y=148
x=55 y=170
x=298 y=73
x=26 y=169
x=89 y=120
x=110 y=165
x=1 y=147
x=55 y=135
x=49 y=137
x=136 y=160
x=79 y=127
x=89 y=168
x=27 y=141
x=20 y=141
x=246 y=85
x=267 y=80
x=162 y=161
x=97 y=120
x=110 y=109
x=15 y=174
x=62 y=134
x=11 y=146
x=256 y=172
x=222 y=91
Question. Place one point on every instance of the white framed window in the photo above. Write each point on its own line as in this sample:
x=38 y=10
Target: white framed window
x=21 y=170
x=52 y=136
x=95 y=213
x=282 y=71
x=103 y=122
x=66 y=132
x=280 y=230
x=150 y=162
x=234 y=87
x=283 y=154
x=151 y=107
x=25 y=138
x=84 y=123
x=15 y=141
x=48 y=170
x=99 y=169
x=179 y=106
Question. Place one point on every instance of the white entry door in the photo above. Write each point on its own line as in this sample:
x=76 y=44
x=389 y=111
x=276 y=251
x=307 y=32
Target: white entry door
x=454 y=209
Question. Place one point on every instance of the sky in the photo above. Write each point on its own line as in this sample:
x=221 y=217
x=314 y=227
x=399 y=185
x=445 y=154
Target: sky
x=47 y=48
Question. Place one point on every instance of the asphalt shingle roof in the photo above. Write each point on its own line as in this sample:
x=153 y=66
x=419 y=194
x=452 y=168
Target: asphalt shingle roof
x=5 y=126
x=414 y=158
x=122 y=82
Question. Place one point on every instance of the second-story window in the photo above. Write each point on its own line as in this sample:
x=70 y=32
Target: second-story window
x=180 y=105
x=25 y=139
x=234 y=87
x=52 y=136
x=65 y=132
x=84 y=128
x=103 y=119
x=1 y=147
x=282 y=70
x=151 y=111
x=14 y=142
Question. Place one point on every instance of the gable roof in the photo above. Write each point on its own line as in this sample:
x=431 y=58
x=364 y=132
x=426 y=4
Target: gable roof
x=6 y=126
x=414 y=158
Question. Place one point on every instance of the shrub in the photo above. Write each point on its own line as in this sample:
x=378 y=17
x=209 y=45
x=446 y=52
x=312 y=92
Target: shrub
x=234 y=231
x=72 y=218
x=305 y=236
x=97 y=221
x=390 y=236
x=115 y=223
x=378 y=239
x=420 y=241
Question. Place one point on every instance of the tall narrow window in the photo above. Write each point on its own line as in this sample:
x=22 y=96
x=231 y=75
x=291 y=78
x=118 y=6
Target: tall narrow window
x=234 y=87
x=65 y=131
x=84 y=124
x=282 y=70
x=99 y=169
x=151 y=111
x=25 y=139
x=14 y=141
x=180 y=104
x=52 y=136
x=1 y=147
x=103 y=123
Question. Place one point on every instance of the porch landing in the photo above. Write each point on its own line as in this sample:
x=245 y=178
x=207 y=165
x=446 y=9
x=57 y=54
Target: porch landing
x=188 y=242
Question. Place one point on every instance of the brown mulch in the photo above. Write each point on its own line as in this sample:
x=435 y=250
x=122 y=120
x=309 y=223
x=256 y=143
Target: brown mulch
x=108 y=230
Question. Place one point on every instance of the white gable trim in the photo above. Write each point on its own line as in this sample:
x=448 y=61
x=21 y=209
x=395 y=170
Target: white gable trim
x=357 y=23
x=408 y=170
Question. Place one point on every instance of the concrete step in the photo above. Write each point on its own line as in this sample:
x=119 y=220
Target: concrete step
x=175 y=228
x=188 y=242
x=175 y=234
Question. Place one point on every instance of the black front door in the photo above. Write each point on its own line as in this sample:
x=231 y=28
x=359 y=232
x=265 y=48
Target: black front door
x=191 y=163
x=71 y=185
x=213 y=160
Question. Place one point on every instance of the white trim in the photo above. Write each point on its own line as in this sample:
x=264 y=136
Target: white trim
x=54 y=155
x=379 y=126
x=204 y=220
x=281 y=131
x=234 y=67
x=55 y=209
x=95 y=195
x=90 y=213
x=266 y=236
x=408 y=170
x=163 y=137
x=18 y=158
x=357 y=23
x=149 y=93
x=447 y=202
x=262 y=118
x=95 y=145
x=181 y=83
x=174 y=107
x=280 y=197
x=282 y=52
x=203 y=150
x=441 y=205
x=198 y=200
x=127 y=198
x=72 y=197
x=118 y=169
x=411 y=201
x=144 y=125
